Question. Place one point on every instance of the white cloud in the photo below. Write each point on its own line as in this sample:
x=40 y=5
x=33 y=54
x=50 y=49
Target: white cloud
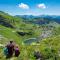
x=23 y=6
x=41 y=6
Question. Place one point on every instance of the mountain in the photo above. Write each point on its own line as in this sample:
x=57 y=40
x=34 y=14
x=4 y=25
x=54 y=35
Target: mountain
x=26 y=16
x=40 y=17
x=8 y=20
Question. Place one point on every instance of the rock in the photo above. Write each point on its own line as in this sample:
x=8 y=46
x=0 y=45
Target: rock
x=37 y=55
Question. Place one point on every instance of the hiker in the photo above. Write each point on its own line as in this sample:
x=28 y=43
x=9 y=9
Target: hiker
x=10 y=48
x=37 y=55
x=17 y=52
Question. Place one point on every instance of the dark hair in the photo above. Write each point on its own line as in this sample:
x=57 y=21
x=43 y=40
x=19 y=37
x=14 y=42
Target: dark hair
x=11 y=41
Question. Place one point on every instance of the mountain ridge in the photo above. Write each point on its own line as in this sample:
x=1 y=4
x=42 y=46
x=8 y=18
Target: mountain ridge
x=44 y=17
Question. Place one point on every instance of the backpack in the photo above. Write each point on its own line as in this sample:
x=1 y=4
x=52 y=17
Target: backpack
x=5 y=51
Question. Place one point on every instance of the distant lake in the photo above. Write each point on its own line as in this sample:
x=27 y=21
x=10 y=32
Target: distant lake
x=30 y=40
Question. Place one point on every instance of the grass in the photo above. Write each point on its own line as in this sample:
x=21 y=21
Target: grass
x=49 y=47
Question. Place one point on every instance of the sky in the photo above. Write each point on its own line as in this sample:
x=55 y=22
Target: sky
x=30 y=7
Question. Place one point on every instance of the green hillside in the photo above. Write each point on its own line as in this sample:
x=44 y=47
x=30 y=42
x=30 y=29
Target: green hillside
x=30 y=37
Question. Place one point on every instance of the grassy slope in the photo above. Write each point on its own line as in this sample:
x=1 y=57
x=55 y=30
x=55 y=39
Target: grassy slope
x=49 y=47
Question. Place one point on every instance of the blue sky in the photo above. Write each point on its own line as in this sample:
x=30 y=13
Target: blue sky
x=30 y=7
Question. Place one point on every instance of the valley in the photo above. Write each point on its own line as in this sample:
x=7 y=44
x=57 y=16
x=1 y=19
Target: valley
x=31 y=34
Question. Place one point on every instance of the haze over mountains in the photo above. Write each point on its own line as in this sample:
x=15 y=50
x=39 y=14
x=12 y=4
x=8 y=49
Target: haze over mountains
x=41 y=17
